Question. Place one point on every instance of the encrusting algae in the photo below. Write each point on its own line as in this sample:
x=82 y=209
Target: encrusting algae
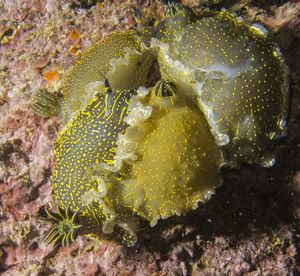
x=130 y=150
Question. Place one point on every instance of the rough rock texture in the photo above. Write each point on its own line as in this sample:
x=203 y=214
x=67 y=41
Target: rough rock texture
x=250 y=226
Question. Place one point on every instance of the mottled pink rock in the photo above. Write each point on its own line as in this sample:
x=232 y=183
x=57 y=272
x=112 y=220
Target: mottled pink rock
x=189 y=246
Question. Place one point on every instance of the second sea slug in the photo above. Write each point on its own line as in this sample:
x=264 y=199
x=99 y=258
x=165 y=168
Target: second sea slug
x=237 y=76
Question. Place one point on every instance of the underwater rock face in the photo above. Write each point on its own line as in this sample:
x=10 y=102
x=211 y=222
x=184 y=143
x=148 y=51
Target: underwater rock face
x=128 y=151
x=237 y=76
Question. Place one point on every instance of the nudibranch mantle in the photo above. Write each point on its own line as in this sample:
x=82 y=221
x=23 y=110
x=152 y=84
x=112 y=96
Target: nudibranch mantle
x=120 y=57
x=178 y=166
x=238 y=77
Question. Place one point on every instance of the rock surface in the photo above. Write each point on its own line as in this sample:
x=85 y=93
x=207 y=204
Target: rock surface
x=250 y=226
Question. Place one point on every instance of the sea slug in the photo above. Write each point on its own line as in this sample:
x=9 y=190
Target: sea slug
x=131 y=149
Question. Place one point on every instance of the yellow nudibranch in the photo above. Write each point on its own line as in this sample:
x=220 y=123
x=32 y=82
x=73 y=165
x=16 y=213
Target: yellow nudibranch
x=89 y=140
x=127 y=152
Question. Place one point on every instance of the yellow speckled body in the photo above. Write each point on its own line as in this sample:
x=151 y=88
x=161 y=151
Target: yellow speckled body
x=179 y=167
x=89 y=140
x=238 y=78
